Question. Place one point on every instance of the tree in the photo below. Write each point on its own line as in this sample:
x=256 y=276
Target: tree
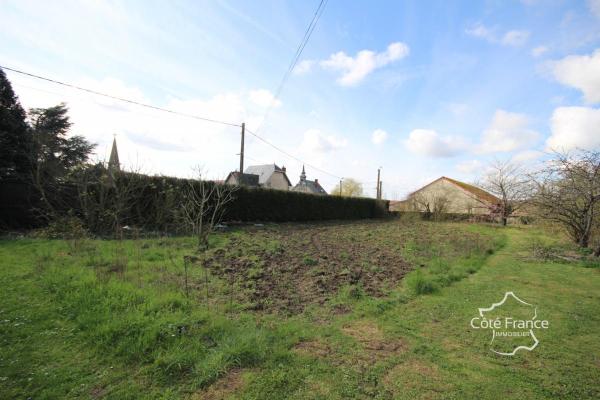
x=431 y=204
x=507 y=181
x=568 y=192
x=53 y=155
x=204 y=205
x=350 y=188
x=15 y=141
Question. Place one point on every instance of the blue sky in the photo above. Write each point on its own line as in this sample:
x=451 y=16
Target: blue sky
x=419 y=88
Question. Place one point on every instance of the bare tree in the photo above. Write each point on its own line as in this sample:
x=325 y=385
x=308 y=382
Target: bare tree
x=568 y=192
x=509 y=182
x=204 y=205
x=432 y=205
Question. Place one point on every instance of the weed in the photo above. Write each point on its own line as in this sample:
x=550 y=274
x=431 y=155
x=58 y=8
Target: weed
x=419 y=283
x=307 y=260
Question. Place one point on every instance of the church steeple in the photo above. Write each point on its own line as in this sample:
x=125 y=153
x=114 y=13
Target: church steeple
x=303 y=175
x=113 y=161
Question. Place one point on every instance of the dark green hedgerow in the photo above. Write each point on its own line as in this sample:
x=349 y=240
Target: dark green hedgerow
x=153 y=203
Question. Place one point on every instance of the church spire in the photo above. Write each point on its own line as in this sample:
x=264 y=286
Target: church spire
x=113 y=161
x=303 y=175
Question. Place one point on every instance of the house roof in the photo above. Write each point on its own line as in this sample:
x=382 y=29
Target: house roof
x=479 y=193
x=244 y=179
x=265 y=171
x=309 y=187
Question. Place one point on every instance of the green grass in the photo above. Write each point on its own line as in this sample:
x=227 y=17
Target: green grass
x=100 y=319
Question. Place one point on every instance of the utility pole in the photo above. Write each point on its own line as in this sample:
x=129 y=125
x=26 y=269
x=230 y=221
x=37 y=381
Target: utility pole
x=341 y=187
x=378 y=186
x=242 y=149
x=380 y=190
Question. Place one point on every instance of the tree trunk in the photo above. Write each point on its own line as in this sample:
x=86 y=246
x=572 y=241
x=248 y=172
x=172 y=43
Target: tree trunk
x=584 y=239
x=597 y=251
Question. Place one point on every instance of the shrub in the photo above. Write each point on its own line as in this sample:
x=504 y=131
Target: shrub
x=419 y=284
x=62 y=228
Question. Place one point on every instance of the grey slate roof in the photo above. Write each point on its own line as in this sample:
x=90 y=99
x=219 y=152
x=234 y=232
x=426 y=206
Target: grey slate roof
x=307 y=186
x=265 y=171
x=243 y=179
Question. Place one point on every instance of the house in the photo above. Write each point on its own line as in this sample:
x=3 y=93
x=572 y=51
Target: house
x=248 y=180
x=448 y=195
x=307 y=186
x=270 y=176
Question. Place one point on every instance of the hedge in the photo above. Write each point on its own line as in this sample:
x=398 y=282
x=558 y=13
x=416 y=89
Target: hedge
x=154 y=204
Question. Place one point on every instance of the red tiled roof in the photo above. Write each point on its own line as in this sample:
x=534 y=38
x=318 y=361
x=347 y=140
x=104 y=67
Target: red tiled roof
x=479 y=193
x=474 y=190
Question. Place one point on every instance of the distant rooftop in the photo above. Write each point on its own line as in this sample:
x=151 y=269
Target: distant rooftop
x=265 y=171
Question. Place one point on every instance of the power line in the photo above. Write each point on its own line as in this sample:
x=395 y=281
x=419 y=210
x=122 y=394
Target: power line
x=172 y=112
x=290 y=155
x=164 y=110
x=299 y=50
x=120 y=98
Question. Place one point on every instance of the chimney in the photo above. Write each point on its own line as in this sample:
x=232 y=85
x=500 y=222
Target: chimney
x=317 y=181
x=283 y=168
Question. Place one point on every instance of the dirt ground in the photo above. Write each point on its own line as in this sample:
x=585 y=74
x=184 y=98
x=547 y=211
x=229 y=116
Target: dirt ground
x=285 y=268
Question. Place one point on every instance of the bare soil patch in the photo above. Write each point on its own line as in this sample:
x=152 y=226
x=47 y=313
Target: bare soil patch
x=222 y=388
x=287 y=268
x=368 y=334
x=314 y=348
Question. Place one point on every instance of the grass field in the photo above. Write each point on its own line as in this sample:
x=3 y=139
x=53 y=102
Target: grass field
x=326 y=311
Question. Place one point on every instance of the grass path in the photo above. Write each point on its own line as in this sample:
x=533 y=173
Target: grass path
x=448 y=359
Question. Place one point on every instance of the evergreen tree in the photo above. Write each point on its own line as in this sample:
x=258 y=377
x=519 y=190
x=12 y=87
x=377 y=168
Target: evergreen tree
x=55 y=154
x=15 y=141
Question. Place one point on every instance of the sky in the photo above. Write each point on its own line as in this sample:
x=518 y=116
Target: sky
x=420 y=89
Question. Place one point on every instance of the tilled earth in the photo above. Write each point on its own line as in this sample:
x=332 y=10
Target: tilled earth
x=288 y=267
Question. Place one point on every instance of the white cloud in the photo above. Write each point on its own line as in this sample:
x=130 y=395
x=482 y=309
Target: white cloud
x=480 y=31
x=304 y=67
x=355 y=69
x=507 y=132
x=581 y=72
x=316 y=142
x=594 y=6
x=469 y=167
x=539 y=51
x=574 y=127
x=263 y=98
x=515 y=38
x=510 y=38
x=428 y=142
x=379 y=136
